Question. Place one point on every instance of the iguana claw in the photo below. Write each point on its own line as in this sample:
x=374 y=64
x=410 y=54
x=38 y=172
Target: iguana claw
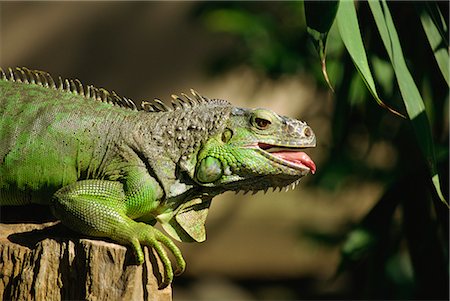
x=149 y=236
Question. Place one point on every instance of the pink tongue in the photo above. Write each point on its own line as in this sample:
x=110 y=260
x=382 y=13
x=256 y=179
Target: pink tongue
x=297 y=158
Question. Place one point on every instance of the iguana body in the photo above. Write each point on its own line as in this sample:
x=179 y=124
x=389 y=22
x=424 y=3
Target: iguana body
x=107 y=169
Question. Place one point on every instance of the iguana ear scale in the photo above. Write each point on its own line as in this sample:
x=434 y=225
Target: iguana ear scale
x=209 y=170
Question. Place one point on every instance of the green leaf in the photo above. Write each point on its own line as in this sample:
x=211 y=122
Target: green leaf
x=410 y=94
x=351 y=36
x=319 y=18
x=437 y=41
x=438 y=19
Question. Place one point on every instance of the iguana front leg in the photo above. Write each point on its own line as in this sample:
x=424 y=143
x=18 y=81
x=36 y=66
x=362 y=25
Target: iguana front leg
x=102 y=208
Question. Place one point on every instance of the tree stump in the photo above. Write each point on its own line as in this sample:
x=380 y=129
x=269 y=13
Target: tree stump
x=46 y=261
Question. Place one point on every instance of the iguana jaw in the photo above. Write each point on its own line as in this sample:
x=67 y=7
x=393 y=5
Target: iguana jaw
x=287 y=156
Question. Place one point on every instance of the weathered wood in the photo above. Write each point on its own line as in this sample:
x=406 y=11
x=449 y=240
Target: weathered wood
x=48 y=262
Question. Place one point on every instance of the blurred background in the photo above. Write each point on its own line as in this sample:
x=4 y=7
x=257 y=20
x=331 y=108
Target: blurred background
x=367 y=225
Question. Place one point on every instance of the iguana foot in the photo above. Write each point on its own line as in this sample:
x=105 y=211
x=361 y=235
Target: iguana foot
x=96 y=208
x=147 y=235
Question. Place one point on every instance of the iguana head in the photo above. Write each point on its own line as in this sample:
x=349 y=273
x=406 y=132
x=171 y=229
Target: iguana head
x=256 y=149
x=221 y=147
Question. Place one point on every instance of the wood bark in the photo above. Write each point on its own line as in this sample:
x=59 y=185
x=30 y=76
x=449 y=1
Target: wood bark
x=46 y=261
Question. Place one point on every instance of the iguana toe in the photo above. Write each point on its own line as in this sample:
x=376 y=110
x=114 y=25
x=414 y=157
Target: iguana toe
x=149 y=236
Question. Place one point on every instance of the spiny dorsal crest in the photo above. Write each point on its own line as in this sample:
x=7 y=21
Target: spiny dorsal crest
x=183 y=102
x=44 y=79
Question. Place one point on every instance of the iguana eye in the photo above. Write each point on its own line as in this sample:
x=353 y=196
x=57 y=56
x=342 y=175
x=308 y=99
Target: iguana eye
x=261 y=119
x=262 y=123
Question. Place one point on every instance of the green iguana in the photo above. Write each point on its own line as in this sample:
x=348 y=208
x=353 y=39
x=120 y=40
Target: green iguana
x=110 y=169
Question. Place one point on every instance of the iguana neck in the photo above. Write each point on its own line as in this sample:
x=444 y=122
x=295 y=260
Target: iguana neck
x=169 y=142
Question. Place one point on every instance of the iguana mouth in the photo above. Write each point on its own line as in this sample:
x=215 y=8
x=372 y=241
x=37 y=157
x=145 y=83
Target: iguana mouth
x=289 y=156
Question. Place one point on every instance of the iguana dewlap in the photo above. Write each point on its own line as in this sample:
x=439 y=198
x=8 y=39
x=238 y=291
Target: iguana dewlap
x=110 y=169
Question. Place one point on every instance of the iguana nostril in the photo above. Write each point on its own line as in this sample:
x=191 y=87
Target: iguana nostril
x=307 y=132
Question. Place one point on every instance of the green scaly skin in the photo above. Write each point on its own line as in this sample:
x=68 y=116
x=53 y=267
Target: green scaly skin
x=108 y=169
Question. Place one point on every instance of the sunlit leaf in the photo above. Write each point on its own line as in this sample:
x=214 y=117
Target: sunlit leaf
x=438 y=20
x=319 y=18
x=351 y=36
x=411 y=96
x=436 y=39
